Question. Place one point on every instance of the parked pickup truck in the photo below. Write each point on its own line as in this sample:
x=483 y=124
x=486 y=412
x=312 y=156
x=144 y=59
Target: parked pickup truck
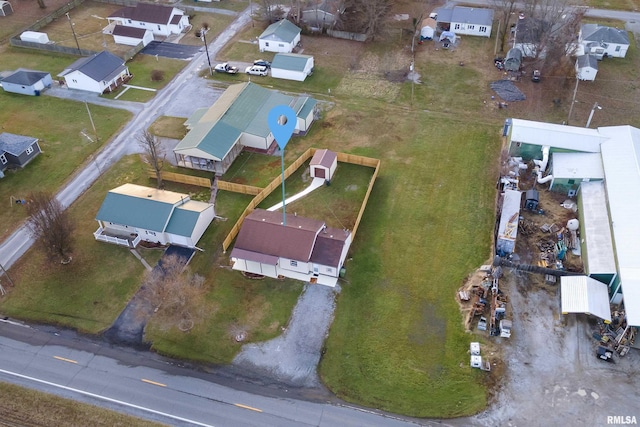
x=226 y=68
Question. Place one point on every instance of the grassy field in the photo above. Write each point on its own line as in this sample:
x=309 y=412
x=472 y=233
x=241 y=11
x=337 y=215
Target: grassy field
x=58 y=125
x=90 y=292
x=32 y=408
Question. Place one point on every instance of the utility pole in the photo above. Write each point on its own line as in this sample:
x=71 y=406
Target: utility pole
x=593 y=110
x=573 y=100
x=203 y=36
x=91 y=120
x=73 y=31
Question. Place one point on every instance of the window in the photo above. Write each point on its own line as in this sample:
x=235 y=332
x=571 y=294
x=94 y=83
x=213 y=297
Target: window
x=3 y=159
x=329 y=270
x=571 y=181
x=266 y=43
x=74 y=80
x=293 y=263
x=471 y=27
x=129 y=21
x=159 y=28
x=456 y=27
x=617 y=48
x=483 y=29
x=29 y=149
x=281 y=44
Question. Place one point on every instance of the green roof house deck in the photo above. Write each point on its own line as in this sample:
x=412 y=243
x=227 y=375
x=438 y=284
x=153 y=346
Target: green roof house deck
x=238 y=119
x=131 y=213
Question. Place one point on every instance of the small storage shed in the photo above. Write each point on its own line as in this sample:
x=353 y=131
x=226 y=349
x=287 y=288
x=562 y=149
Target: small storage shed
x=27 y=82
x=509 y=219
x=323 y=164
x=428 y=29
x=587 y=67
x=513 y=61
x=5 y=8
x=34 y=37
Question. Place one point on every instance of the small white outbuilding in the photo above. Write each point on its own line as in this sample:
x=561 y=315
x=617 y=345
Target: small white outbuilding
x=34 y=37
x=323 y=164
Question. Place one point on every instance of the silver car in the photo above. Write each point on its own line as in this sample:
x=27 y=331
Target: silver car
x=257 y=70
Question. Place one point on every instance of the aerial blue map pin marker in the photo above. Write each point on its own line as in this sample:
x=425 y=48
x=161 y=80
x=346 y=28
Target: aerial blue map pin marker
x=282 y=132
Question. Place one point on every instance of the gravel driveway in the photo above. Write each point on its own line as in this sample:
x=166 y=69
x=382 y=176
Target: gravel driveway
x=292 y=358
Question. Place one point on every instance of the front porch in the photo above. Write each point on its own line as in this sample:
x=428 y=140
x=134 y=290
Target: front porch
x=129 y=240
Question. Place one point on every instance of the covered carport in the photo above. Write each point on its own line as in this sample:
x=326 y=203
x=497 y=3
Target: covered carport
x=582 y=294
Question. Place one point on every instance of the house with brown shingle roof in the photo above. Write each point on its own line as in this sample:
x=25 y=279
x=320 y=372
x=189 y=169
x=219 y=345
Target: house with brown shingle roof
x=302 y=249
x=161 y=20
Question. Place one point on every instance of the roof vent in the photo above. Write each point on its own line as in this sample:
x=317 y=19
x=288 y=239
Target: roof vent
x=149 y=195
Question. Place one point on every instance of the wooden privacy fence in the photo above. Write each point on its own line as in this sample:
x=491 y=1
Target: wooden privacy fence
x=183 y=179
x=206 y=182
x=342 y=157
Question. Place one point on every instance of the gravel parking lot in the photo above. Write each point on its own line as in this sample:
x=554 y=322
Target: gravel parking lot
x=552 y=374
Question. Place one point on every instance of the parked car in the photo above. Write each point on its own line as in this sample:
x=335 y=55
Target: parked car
x=262 y=63
x=257 y=70
x=225 y=67
x=535 y=76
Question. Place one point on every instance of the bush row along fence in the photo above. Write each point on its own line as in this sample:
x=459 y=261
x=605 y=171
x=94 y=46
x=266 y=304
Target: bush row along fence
x=206 y=182
x=342 y=157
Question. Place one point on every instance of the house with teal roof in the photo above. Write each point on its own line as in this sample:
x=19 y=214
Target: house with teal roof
x=237 y=120
x=281 y=36
x=132 y=213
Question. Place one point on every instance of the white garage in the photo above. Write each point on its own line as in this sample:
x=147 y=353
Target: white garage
x=291 y=66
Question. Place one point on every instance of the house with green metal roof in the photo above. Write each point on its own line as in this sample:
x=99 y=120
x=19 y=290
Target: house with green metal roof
x=132 y=213
x=281 y=36
x=291 y=66
x=238 y=119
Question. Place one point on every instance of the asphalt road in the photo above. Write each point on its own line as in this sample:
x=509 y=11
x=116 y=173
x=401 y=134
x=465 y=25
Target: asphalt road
x=171 y=50
x=145 y=385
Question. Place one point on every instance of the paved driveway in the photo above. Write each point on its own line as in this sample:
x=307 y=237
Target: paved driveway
x=171 y=50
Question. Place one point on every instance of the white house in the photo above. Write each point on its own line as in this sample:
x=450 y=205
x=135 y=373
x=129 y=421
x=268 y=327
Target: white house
x=586 y=67
x=131 y=213
x=291 y=66
x=323 y=164
x=99 y=73
x=131 y=36
x=281 y=36
x=470 y=21
x=238 y=119
x=603 y=41
x=161 y=20
x=303 y=249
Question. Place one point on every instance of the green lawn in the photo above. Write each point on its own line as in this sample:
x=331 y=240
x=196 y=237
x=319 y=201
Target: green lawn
x=58 y=125
x=89 y=293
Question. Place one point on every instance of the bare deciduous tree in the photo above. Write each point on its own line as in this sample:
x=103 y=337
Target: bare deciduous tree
x=176 y=295
x=154 y=153
x=505 y=9
x=41 y=4
x=51 y=225
x=364 y=16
